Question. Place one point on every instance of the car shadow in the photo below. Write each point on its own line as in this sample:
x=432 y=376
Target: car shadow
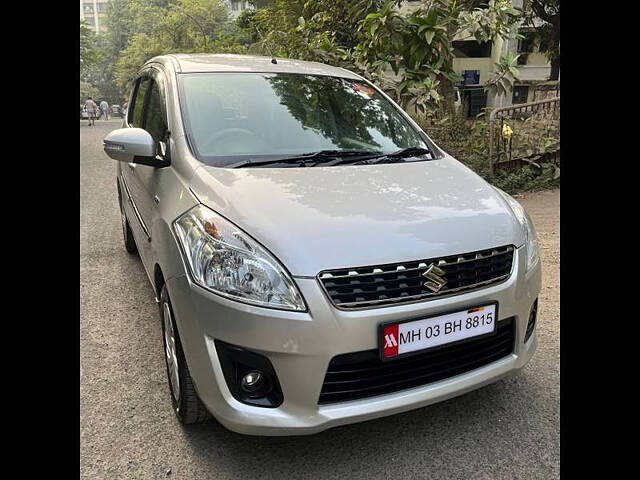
x=457 y=432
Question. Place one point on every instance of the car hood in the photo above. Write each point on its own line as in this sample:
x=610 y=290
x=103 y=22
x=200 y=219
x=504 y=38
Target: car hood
x=320 y=218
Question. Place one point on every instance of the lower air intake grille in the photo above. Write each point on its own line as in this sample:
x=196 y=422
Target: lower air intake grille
x=392 y=284
x=362 y=374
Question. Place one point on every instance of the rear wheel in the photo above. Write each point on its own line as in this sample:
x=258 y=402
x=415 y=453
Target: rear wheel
x=186 y=404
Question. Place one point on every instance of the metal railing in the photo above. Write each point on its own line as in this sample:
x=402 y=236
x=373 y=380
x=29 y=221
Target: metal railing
x=533 y=133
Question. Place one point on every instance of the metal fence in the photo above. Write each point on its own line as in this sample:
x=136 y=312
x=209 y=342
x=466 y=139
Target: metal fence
x=525 y=134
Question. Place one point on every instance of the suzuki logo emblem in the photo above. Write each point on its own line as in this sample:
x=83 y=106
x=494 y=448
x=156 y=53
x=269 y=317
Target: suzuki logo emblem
x=434 y=279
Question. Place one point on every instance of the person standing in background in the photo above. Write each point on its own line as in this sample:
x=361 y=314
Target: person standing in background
x=91 y=108
x=104 y=109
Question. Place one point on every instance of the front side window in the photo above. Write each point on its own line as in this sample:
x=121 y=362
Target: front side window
x=238 y=116
x=136 y=111
x=156 y=123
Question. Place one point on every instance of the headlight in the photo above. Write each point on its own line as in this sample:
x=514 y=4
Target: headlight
x=224 y=259
x=530 y=237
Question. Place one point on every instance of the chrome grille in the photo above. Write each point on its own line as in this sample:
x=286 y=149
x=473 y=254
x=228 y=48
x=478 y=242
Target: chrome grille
x=392 y=284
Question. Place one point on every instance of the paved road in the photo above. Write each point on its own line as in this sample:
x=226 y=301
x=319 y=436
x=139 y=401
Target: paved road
x=509 y=429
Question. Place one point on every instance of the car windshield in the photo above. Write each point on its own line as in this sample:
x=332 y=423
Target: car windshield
x=236 y=117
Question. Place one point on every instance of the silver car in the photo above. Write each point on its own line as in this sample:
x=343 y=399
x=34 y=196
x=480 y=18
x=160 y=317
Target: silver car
x=317 y=259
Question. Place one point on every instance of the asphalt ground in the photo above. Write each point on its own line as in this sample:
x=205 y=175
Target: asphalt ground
x=509 y=429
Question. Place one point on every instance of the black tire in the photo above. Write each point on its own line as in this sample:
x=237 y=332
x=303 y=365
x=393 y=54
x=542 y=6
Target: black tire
x=127 y=235
x=188 y=407
x=129 y=243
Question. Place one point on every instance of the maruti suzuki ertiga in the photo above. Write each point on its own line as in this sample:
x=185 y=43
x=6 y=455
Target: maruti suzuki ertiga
x=317 y=259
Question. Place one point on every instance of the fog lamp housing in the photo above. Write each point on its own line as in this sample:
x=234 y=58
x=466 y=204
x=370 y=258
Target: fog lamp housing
x=250 y=376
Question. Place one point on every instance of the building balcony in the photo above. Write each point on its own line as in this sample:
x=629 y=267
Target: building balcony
x=534 y=73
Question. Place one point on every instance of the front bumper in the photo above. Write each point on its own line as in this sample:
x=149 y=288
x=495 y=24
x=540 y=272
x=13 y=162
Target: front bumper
x=301 y=344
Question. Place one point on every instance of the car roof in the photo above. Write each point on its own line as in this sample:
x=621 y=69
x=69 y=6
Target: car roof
x=205 y=62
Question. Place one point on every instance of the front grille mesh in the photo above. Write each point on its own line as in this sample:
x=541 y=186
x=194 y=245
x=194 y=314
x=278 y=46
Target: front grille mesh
x=379 y=285
x=358 y=375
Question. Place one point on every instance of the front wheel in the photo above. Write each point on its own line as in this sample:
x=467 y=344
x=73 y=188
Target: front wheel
x=186 y=404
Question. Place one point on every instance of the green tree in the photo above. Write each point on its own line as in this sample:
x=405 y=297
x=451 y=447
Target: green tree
x=119 y=22
x=186 y=26
x=408 y=52
x=101 y=74
x=322 y=30
x=89 y=53
x=549 y=32
x=417 y=45
x=88 y=90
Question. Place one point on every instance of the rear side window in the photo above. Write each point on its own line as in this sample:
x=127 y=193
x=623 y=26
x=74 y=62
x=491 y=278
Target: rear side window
x=137 y=104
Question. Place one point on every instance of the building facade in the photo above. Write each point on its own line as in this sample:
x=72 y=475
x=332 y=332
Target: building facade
x=475 y=63
x=93 y=13
x=237 y=6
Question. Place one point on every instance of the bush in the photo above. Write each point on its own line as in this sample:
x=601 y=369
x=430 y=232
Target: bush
x=468 y=141
x=525 y=179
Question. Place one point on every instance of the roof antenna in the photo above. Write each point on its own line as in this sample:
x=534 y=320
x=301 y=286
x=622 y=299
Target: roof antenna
x=274 y=61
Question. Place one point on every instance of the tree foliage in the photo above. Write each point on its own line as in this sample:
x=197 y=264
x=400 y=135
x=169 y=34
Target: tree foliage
x=408 y=52
x=549 y=32
x=186 y=26
x=417 y=46
x=88 y=90
x=89 y=53
x=140 y=29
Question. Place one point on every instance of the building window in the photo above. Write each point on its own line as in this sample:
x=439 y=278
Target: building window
x=239 y=5
x=471 y=49
x=102 y=7
x=88 y=8
x=90 y=21
x=474 y=100
x=520 y=94
x=471 y=77
x=526 y=44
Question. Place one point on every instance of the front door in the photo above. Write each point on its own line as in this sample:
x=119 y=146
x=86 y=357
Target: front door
x=148 y=111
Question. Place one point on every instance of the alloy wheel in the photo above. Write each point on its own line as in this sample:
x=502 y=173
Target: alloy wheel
x=170 y=352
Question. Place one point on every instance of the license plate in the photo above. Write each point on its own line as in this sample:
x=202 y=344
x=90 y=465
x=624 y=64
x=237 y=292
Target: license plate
x=398 y=339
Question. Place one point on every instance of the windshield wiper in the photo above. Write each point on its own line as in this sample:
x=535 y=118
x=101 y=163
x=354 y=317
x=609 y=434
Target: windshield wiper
x=397 y=156
x=306 y=158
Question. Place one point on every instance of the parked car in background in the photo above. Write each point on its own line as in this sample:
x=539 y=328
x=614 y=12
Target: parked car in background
x=83 y=112
x=116 y=111
x=316 y=258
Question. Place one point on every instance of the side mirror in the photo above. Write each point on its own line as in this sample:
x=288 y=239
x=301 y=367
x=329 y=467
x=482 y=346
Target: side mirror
x=133 y=145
